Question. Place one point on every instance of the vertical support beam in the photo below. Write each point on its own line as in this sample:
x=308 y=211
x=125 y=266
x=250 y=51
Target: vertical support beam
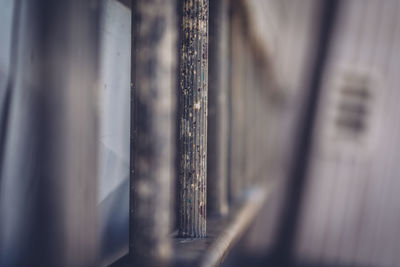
x=283 y=254
x=217 y=161
x=249 y=119
x=245 y=123
x=237 y=104
x=193 y=119
x=152 y=119
x=49 y=181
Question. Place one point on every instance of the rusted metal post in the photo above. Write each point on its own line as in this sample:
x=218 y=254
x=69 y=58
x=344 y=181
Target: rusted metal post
x=193 y=119
x=217 y=161
x=154 y=32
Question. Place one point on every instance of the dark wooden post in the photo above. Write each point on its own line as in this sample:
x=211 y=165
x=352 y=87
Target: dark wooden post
x=217 y=161
x=193 y=119
x=154 y=32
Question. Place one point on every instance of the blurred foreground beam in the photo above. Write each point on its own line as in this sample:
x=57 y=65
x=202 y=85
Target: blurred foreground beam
x=48 y=181
x=285 y=242
x=152 y=120
x=193 y=119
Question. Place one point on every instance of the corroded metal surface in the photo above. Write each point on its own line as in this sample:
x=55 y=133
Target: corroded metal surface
x=153 y=66
x=193 y=119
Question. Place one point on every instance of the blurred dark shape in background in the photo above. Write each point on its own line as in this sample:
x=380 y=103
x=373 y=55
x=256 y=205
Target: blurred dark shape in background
x=48 y=143
x=102 y=154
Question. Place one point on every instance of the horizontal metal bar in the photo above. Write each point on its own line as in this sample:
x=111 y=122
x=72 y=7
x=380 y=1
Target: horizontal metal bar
x=223 y=232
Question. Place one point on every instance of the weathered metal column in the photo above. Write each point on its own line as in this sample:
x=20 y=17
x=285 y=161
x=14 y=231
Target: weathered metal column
x=193 y=119
x=154 y=31
x=217 y=161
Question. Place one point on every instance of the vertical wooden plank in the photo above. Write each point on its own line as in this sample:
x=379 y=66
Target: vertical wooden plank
x=193 y=119
x=49 y=181
x=217 y=161
x=152 y=165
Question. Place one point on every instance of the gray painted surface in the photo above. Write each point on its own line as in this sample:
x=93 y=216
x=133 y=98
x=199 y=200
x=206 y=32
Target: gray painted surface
x=114 y=125
x=351 y=213
x=6 y=13
x=288 y=28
